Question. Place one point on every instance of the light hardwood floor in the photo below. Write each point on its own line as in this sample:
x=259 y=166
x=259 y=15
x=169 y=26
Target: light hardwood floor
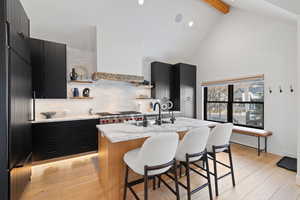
x=257 y=178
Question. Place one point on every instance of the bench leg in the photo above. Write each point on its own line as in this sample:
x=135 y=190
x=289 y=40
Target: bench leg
x=258 y=145
x=266 y=144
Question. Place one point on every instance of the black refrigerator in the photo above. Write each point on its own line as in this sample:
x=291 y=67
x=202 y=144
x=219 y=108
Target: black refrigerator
x=15 y=100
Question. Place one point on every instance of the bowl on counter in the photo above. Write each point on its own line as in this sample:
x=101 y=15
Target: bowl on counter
x=48 y=115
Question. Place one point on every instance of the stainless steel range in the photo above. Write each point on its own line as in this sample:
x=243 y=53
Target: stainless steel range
x=119 y=117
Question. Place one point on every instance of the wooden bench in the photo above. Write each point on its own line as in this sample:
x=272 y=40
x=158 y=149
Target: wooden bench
x=255 y=133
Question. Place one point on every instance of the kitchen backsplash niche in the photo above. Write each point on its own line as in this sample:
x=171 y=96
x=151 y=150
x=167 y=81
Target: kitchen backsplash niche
x=108 y=96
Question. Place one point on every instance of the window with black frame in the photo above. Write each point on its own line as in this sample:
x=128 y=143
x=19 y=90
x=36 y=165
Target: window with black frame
x=241 y=103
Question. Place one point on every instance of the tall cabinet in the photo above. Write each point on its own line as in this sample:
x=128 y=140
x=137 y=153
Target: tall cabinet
x=176 y=83
x=15 y=100
x=183 y=89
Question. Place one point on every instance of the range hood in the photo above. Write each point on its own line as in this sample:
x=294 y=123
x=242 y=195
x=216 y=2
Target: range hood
x=117 y=77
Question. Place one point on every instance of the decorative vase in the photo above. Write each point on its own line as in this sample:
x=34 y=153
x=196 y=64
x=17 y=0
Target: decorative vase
x=73 y=75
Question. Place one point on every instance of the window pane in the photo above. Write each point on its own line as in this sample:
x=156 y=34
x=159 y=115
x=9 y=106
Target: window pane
x=249 y=91
x=217 y=93
x=248 y=114
x=217 y=112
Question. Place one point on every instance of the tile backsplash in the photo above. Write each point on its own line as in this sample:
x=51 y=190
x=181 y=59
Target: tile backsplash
x=108 y=96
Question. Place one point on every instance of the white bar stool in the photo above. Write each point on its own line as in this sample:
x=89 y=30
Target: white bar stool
x=219 y=141
x=154 y=158
x=191 y=150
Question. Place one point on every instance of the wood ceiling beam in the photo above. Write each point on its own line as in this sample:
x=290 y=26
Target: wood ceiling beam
x=219 y=5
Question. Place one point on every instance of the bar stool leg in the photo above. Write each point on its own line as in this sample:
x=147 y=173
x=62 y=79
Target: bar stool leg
x=215 y=171
x=146 y=184
x=231 y=165
x=176 y=181
x=154 y=183
x=208 y=177
x=188 y=178
x=126 y=183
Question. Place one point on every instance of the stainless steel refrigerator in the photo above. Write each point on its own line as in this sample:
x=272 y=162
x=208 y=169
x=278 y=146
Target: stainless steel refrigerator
x=15 y=100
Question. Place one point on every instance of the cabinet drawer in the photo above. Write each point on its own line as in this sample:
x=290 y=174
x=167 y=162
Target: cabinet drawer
x=19 y=29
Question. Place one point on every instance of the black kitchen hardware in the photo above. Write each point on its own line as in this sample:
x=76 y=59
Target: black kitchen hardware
x=86 y=92
x=58 y=139
x=15 y=100
x=73 y=75
x=48 y=60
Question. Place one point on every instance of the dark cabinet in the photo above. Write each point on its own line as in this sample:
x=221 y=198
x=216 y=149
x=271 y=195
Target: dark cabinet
x=161 y=80
x=18 y=26
x=48 y=60
x=57 y=139
x=183 y=89
x=20 y=105
x=177 y=83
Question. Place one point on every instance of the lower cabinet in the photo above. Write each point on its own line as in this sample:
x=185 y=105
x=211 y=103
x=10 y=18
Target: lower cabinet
x=57 y=139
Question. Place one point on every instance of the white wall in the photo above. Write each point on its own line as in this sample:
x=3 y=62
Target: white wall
x=243 y=44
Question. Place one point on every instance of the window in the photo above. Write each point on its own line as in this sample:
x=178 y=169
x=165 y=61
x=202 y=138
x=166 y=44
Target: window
x=240 y=103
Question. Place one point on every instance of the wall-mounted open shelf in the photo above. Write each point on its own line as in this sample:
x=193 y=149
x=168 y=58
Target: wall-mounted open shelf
x=82 y=81
x=82 y=98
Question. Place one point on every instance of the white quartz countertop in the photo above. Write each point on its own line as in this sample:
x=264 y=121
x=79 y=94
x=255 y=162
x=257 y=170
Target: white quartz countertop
x=126 y=131
x=67 y=118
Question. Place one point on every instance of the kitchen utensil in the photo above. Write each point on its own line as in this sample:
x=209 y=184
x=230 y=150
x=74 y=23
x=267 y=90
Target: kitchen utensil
x=86 y=92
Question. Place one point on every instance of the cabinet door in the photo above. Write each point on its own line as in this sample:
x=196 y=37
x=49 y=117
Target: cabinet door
x=49 y=69
x=19 y=28
x=37 y=63
x=55 y=81
x=188 y=90
x=48 y=141
x=84 y=136
x=20 y=101
x=160 y=78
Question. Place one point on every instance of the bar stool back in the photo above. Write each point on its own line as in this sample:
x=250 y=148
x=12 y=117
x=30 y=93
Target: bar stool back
x=191 y=150
x=154 y=158
x=219 y=141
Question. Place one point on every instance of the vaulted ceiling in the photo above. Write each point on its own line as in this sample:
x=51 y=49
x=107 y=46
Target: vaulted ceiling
x=150 y=29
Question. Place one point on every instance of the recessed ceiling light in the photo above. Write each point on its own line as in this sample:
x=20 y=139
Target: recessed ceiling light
x=141 y=2
x=191 y=23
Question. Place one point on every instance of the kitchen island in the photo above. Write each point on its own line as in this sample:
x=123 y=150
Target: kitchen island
x=117 y=139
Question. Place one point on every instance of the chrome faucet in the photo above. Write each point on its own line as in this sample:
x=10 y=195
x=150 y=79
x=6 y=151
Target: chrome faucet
x=158 y=121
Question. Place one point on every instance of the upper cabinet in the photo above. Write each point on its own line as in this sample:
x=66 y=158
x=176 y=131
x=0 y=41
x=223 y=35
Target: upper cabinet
x=48 y=60
x=18 y=26
x=161 y=80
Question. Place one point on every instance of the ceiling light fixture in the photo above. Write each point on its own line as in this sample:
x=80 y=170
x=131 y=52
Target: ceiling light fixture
x=191 y=24
x=141 y=2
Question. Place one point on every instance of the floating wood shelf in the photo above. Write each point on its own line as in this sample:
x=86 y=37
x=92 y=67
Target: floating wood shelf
x=143 y=98
x=87 y=98
x=83 y=81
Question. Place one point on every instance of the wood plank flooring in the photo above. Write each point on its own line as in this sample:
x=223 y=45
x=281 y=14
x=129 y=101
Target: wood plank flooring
x=257 y=178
